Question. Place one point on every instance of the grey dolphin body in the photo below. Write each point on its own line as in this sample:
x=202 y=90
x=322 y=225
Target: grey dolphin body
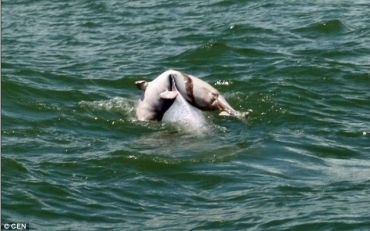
x=182 y=112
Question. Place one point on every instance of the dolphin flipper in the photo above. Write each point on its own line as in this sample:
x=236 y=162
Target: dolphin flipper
x=141 y=84
x=168 y=94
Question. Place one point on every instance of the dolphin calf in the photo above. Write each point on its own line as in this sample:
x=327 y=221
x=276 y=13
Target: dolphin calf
x=202 y=95
x=160 y=93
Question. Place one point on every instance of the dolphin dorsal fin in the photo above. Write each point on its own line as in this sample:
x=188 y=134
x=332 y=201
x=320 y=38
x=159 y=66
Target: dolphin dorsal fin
x=141 y=84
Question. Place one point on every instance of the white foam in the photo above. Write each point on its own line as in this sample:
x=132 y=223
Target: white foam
x=116 y=104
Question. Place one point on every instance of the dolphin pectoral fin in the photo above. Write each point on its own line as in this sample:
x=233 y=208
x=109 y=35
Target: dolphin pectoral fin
x=141 y=84
x=168 y=94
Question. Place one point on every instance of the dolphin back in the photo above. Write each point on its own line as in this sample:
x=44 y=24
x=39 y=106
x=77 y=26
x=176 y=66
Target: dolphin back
x=182 y=112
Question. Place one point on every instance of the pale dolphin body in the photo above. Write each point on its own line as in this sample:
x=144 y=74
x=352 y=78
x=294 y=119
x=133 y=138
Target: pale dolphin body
x=202 y=95
x=158 y=96
x=182 y=112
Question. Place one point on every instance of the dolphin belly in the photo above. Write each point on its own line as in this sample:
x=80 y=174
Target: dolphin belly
x=182 y=112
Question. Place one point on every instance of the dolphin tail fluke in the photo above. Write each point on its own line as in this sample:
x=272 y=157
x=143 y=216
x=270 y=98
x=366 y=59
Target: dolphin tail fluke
x=240 y=115
x=227 y=110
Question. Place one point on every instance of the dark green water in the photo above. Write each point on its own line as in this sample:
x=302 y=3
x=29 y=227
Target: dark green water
x=74 y=158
